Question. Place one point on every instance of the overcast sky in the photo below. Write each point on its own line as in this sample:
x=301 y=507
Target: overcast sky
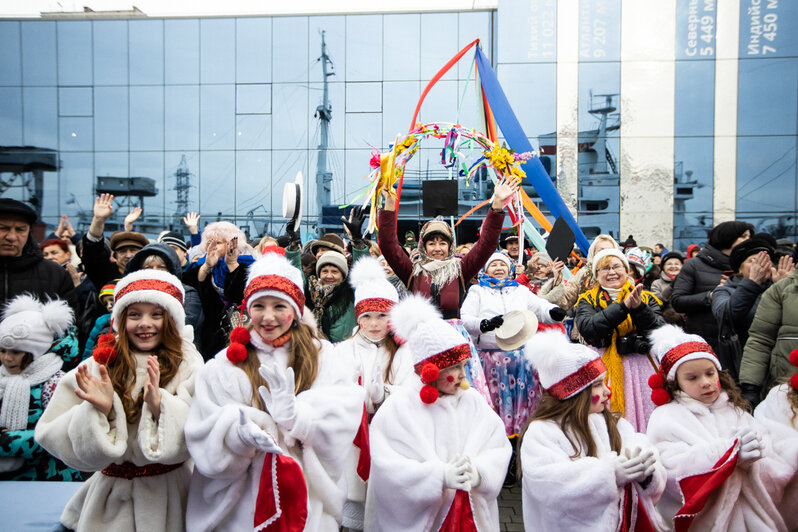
x=161 y=8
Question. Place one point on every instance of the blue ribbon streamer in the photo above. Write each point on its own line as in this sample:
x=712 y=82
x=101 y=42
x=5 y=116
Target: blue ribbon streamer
x=536 y=175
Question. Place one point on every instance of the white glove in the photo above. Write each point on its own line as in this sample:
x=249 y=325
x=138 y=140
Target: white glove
x=377 y=389
x=649 y=464
x=279 y=397
x=628 y=470
x=254 y=436
x=473 y=475
x=456 y=475
x=750 y=445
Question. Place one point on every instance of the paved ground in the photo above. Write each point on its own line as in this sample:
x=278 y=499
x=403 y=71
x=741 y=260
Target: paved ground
x=510 y=509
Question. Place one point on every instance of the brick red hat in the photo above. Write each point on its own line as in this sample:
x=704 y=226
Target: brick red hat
x=373 y=292
x=150 y=286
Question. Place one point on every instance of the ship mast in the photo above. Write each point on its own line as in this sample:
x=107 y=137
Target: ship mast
x=324 y=114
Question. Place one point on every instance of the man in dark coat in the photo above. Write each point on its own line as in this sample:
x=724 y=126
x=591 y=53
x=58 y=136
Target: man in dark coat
x=23 y=268
x=694 y=286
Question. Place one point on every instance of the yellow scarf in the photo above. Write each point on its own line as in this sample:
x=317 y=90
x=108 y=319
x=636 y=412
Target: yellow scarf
x=611 y=358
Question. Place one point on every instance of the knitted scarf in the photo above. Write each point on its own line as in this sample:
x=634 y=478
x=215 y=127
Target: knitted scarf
x=441 y=272
x=15 y=389
x=491 y=282
x=320 y=296
x=599 y=298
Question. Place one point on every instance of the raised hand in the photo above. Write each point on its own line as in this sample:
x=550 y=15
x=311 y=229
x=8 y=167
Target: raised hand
x=279 y=397
x=503 y=191
x=103 y=206
x=759 y=269
x=390 y=201
x=69 y=231
x=98 y=392
x=131 y=218
x=354 y=225
x=784 y=269
x=231 y=254
x=152 y=392
x=191 y=219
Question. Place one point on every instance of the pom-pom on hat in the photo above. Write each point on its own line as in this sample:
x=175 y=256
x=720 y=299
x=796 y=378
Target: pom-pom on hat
x=564 y=368
x=31 y=326
x=150 y=286
x=673 y=347
x=272 y=275
x=608 y=253
x=373 y=292
x=434 y=344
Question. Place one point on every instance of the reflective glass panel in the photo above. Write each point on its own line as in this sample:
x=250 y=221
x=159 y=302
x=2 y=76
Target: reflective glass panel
x=181 y=168
x=363 y=130
x=76 y=179
x=363 y=97
x=289 y=116
x=766 y=95
x=253 y=50
x=75 y=101
x=437 y=44
x=292 y=34
x=10 y=57
x=599 y=30
x=217 y=117
x=217 y=172
x=146 y=52
x=285 y=165
x=10 y=116
x=364 y=48
x=110 y=52
x=253 y=99
x=150 y=165
x=529 y=31
x=401 y=47
x=217 y=51
x=182 y=115
x=335 y=129
x=38 y=53
x=146 y=118
x=110 y=118
x=334 y=28
x=253 y=188
x=40 y=117
x=253 y=132
x=74 y=53
x=767 y=28
x=181 y=51
x=75 y=133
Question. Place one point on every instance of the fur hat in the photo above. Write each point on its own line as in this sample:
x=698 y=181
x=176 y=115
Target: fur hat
x=150 y=286
x=333 y=258
x=498 y=255
x=434 y=344
x=745 y=249
x=122 y=239
x=608 y=253
x=330 y=241
x=673 y=347
x=436 y=226
x=272 y=275
x=373 y=292
x=31 y=326
x=564 y=368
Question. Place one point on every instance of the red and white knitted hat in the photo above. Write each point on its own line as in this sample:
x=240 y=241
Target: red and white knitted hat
x=272 y=275
x=150 y=286
x=564 y=368
x=373 y=292
x=673 y=347
x=434 y=344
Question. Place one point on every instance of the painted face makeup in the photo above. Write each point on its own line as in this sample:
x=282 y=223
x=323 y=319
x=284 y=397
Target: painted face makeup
x=449 y=379
x=271 y=317
x=599 y=395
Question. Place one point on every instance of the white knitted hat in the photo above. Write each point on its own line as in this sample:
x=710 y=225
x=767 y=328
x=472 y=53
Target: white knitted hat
x=272 y=275
x=373 y=292
x=150 y=286
x=498 y=255
x=564 y=368
x=434 y=344
x=332 y=258
x=31 y=326
x=673 y=347
x=608 y=253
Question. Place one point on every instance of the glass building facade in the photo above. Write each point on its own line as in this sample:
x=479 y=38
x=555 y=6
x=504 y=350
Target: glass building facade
x=216 y=114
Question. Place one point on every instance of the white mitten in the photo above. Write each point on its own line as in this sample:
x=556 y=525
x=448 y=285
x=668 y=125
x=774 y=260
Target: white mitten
x=649 y=463
x=279 y=397
x=473 y=475
x=254 y=436
x=377 y=389
x=455 y=475
x=750 y=445
x=628 y=470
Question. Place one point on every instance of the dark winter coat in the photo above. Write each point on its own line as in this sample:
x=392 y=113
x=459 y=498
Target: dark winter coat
x=32 y=273
x=690 y=296
x=772 y=336
x=596 y=325
x=734 y=305
x=97 y=264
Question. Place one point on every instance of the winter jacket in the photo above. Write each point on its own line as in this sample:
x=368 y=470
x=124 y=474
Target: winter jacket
x=100 y=326
x=451 y=295
x=734 y=305
x=596 y=325
x=662 y=287
x=96 y=258
x=772 y=336
x=691 y=290
x=32 y=273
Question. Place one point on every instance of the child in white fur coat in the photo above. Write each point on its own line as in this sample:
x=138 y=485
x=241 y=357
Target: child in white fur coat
x=701 y=426
x=273 y=417
x=779 y=414
x=121 y=413
x=438 y=451
x=584 y=467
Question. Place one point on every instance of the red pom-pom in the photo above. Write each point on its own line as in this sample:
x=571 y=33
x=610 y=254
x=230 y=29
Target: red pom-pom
x=656 y=381
x=106 y=340
x=236 y=353
x=794 y=381
x=660 y=396
x=794 y=357
x=103 y=354
x=240 y=335
x=428 y=394
x=429 y=372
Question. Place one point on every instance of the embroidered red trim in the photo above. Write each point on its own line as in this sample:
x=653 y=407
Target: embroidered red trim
x=150 y=284
x=578 y=380
x=277 y=283
x=672 y=357
x=128 y=470
x=373 y=304
x=447 y=358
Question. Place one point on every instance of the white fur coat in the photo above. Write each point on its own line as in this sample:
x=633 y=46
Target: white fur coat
x=227 y=471
x=691 y=437
x=483 y=302
x=562 y=493
x=85 y=439
x=411 y=443
x=777 y=416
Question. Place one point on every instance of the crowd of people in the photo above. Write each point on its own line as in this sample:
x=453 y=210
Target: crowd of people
x=217 y=383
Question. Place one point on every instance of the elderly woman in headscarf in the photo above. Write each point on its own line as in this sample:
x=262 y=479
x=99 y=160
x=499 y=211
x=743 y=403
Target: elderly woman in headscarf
x=615 y=317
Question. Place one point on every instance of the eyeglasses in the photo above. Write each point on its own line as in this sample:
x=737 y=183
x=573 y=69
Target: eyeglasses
x=618 y=268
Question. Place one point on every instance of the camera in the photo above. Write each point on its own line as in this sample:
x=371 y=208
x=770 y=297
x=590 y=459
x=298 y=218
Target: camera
x=632 y=343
